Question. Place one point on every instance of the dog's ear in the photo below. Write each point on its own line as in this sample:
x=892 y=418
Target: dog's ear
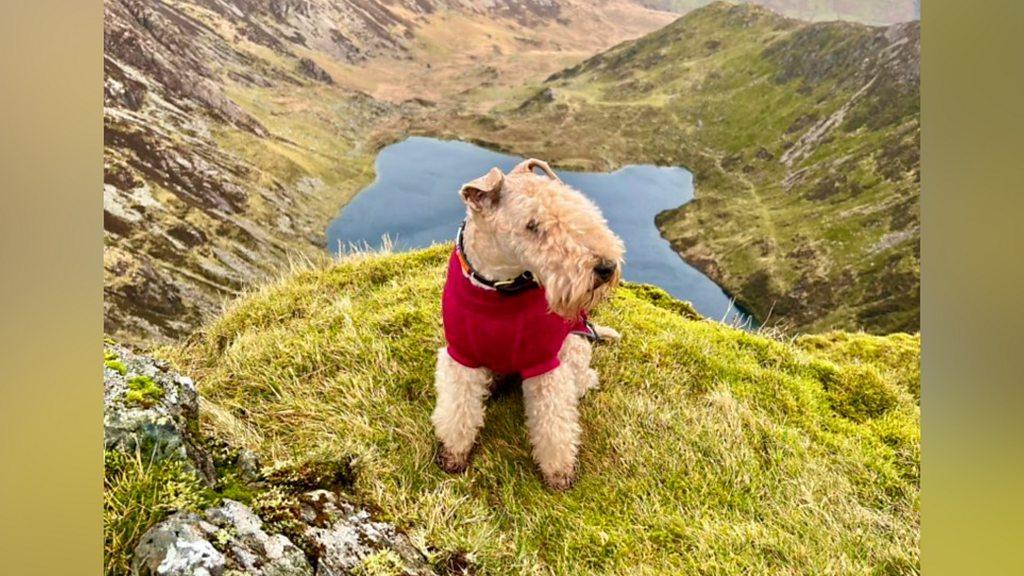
x=484 y=192
x=531 y=163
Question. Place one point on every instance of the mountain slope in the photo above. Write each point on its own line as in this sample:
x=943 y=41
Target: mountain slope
x=865 y=11
x=706 y=450
x=235 y=130
x=803 y=138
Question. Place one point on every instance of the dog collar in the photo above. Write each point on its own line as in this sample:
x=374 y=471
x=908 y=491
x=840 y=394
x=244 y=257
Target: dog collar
x=521 y=283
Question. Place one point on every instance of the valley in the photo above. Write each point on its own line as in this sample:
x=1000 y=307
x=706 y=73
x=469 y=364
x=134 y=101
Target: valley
x=804 y=144
x=235 y=130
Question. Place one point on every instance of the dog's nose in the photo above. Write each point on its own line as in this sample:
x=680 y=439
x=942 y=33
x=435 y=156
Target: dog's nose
x=605 y=269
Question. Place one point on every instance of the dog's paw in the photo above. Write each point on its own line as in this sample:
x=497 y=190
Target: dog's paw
x=606 y=333
x=450 y=463
x=560 y=481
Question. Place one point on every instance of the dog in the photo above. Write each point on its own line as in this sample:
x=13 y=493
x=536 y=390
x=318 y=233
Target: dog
x=531 y=258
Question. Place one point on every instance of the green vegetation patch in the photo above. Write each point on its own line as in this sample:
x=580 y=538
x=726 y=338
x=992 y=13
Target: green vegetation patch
x=144 y=391
x=137 y=493
x=117 y=366
x=706 y=450
x=112 y=361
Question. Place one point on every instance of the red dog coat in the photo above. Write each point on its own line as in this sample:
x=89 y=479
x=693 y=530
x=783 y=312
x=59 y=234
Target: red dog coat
x=509 y=333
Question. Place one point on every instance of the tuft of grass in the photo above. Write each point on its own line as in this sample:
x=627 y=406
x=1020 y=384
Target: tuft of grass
x=137 y=493
x=144 y=391
x=707 y=450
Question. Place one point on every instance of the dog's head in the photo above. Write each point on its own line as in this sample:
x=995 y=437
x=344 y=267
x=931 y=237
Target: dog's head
x=550 y=229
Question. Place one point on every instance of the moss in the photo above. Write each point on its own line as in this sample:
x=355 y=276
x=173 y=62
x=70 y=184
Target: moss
x=752 y=455
x=280 y=511
x=860 y=392
x=663 y=299
x=382 y=563
x=233 y=487
x=144 y=391
x=117 y=366
x=312 y=474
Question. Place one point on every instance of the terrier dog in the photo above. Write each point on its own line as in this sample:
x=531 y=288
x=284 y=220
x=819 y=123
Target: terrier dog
x=531 y=258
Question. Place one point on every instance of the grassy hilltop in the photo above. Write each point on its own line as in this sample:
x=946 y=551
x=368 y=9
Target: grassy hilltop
x=707 y=450
x=803 y=139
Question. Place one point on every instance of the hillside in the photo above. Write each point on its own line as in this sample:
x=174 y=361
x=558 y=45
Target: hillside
x=865 y=11
x=235 y=130
x=707 y=450
x=803 y=139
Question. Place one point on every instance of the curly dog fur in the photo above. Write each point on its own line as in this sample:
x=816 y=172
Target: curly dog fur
x=516 y=222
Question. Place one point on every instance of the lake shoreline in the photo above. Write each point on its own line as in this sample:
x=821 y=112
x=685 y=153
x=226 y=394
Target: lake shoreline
x=413 y=201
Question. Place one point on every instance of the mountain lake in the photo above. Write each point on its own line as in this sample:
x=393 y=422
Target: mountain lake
x=414 y=202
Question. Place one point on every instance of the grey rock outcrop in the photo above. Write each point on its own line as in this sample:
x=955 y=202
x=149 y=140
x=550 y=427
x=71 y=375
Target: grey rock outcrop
x=336 y=539
x=228 y=539
x=148 y=407
x=342 y=536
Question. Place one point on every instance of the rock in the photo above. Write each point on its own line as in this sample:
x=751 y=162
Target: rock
x=249 y=465
x=545 y=96
x=337 y=538
x=149 y=408
x=313 y=70
x=228 y=539
x=177 y=546
x=342 y=536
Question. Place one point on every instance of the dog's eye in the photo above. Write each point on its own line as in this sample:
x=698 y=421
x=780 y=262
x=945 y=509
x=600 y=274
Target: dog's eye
x=532 y=226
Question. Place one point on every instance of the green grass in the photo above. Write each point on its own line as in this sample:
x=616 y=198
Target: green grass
x=137 y=493
x=707 y=450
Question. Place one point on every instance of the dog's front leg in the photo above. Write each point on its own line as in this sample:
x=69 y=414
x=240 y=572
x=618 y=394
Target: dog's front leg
x=459 y=413
x=553 y=423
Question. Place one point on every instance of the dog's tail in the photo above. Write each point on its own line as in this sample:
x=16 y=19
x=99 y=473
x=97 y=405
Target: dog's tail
x=606 y=334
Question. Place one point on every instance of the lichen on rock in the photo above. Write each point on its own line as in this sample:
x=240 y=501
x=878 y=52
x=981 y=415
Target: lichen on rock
x=149 y=408
x=332 y=538
x=344 y=537
x=224 y=540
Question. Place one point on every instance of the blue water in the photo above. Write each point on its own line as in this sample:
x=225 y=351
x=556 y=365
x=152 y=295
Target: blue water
x=415 y=202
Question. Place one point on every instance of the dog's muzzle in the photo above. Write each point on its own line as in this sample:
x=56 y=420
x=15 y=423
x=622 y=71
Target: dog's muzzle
x=605 y=271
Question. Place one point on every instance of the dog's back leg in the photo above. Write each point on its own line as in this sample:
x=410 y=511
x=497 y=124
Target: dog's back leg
x=459 y=412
